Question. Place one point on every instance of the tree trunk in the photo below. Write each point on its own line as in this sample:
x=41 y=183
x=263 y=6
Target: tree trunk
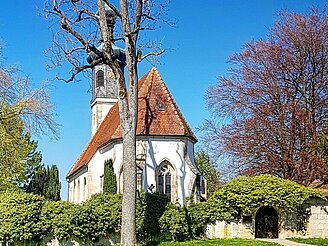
x=129 y=116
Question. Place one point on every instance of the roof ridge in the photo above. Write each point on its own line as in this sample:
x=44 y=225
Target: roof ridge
x=182 y=121
x=171 y=123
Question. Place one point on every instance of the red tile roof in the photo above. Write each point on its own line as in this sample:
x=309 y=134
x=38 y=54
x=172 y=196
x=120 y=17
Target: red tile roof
x=158 y=115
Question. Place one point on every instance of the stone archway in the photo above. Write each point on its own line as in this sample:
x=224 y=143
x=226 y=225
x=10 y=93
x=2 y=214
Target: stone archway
x=266 y=223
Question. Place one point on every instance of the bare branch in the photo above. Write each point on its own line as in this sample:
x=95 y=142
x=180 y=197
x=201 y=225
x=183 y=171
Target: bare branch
x=140 y=58
x=80 y=69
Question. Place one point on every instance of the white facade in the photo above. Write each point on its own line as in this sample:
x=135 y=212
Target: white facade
x=165 y=154
x=152 y=152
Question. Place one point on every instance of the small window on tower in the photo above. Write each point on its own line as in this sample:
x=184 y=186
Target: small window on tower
x=100 y=78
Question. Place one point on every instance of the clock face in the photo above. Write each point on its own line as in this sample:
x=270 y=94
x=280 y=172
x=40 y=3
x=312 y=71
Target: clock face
x=110 y=75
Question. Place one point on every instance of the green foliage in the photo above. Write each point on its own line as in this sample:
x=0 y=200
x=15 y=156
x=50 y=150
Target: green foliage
x=244 y=195
x=209 y=171
x=20 y=217
x=33 y=163
x=185 y=223
x=56 y=219
x=97 y=217
x=110 y=184
x=321 y=145
x=197 y=218
x=174 y=223
x=15 y=148
x=52 y=187
x=150 y=208
x=45 y=182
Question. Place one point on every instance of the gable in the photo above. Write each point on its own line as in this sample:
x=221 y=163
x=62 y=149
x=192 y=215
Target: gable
x=158 y=115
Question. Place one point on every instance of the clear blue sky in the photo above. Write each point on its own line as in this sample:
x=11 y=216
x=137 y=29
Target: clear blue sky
x=206 y=34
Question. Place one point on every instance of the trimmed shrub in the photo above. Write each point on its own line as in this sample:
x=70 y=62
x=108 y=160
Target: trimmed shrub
x=189 y=222
x=20 y=217
x=110 y=184
x=56 y=220
x=96 y=218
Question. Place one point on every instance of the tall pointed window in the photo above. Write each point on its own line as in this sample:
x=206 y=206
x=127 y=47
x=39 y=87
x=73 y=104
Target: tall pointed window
x=100 y=80
x=78 y=191
x=164 y=179
x=139 y=178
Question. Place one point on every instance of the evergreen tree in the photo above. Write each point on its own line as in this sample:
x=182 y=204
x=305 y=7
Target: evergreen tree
x=33 y=163
x=53 y=185
x=109 y=184
x=209 y=171
x=45 y=182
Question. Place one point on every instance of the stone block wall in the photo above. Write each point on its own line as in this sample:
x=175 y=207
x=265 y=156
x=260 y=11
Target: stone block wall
x=313 y=223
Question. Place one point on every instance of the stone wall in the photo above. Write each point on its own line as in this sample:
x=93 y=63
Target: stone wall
x=311 y=222
x=222 y=229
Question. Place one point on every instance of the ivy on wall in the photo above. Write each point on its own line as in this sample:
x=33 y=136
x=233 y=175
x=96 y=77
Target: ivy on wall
x=244 y=195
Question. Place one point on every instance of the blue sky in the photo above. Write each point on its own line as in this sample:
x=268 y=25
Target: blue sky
x=207 y=32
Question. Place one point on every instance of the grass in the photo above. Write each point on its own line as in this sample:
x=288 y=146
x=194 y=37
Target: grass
x=224 y=242
x=313 y=241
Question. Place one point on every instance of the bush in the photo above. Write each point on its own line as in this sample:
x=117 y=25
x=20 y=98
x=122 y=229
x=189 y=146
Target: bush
x=244 y=195
x=150 y=208
x=175 y=224
x=96 y=218
x=185 y=223
x=20 y=217
x=56 y=220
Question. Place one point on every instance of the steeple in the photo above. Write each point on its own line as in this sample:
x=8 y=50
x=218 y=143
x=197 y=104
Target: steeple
x=104 y=94
x=104 y=86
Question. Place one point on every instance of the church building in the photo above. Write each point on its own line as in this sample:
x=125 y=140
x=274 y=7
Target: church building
x=165 y=143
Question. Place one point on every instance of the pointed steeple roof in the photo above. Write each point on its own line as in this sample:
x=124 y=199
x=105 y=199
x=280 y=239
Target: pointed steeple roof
x=158 y=115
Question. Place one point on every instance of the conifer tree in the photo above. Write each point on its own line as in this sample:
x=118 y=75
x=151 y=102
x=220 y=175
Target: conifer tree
x=109 y=185
x=53 y=185
x=45 y=182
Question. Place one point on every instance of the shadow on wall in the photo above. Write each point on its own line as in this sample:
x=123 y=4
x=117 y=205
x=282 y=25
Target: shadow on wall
x=297 y=220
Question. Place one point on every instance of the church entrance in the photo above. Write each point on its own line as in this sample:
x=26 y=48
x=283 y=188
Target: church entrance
x=266 y=223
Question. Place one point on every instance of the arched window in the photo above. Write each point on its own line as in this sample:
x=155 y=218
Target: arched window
x=78 y=191
x=165 y=178
x=100 y=80
x=84 y=188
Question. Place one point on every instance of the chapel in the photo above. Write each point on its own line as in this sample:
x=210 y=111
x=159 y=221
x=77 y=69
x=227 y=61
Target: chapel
x=165 y=143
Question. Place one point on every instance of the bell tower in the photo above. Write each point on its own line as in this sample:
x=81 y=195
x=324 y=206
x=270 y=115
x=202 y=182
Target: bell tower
x=104 y=86
x=104 y=94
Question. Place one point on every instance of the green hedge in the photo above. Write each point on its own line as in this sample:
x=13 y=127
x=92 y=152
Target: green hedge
x=240 y=196
x=20 y=217
x=28 y=218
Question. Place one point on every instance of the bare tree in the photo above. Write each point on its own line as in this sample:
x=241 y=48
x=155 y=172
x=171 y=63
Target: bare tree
x=275 y=101
x=83 y=25
x=31 y=105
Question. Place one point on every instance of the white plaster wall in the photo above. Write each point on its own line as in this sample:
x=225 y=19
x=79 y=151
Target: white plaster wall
x=78 y=193
x=99 y=109
x=151 y=152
